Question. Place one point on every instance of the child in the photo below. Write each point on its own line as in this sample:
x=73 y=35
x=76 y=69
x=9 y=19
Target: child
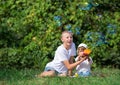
x=84 y=68
x=62 y=64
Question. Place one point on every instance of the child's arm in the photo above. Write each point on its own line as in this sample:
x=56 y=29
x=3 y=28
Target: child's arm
x=71 y=61
x=90 y=60
x=73 y=65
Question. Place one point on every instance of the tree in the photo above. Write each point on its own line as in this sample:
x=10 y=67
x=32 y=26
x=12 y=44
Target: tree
x=30 y=30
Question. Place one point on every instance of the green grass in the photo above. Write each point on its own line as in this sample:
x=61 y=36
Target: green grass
x=103 y=76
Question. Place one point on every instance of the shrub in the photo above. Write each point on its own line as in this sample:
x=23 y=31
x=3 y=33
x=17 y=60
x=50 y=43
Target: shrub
x=30 y=30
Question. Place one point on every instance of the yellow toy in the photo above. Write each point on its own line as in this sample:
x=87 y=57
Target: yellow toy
x=87 y=51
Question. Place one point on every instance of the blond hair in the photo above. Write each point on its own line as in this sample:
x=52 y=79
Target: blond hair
x=66 y=32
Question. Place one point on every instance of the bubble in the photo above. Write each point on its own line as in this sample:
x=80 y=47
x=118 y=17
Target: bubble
x=95 y=4
x=77 y=29
x=111 y=29
x=68 y=26
x=57 y=18
x=85 y=6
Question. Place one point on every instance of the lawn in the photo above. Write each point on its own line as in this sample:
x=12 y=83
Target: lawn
x=104 y=76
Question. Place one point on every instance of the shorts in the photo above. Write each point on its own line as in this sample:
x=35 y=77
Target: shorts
x=84 y=74
x=51 y=69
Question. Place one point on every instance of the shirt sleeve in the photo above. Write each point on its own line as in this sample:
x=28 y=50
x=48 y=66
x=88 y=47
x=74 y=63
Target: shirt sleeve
x=91 y=61
x=73 y=50
x=61 y=55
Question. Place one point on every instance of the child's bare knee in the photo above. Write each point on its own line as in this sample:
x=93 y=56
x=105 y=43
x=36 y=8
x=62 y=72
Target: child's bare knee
x=62 y=75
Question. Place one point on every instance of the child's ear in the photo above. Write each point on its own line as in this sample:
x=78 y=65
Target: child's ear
x=62 y=40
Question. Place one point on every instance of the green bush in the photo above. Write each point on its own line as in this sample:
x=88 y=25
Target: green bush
x=30 y=30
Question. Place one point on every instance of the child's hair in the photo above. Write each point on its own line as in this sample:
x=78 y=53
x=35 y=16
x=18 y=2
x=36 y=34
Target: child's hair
x=66 y=32
x=81 y=46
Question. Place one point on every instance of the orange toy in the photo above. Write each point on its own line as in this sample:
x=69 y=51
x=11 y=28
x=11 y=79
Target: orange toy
x=87 y=51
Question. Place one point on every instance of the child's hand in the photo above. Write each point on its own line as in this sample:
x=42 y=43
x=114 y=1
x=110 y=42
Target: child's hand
x=84 y=58
x=81 y=54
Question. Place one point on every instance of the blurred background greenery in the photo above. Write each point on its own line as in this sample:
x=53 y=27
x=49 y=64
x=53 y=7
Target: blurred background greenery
x=30 y=30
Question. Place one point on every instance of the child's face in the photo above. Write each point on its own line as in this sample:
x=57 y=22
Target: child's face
x=81 y=51
x=67 y=39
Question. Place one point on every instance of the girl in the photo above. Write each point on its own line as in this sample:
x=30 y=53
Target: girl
x=84 y=68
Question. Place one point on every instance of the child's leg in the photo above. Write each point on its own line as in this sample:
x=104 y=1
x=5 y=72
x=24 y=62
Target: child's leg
x=47 y=73
x=62 y=75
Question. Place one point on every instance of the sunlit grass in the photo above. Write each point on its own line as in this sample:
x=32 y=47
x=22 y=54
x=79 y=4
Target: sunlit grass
x=103 y=76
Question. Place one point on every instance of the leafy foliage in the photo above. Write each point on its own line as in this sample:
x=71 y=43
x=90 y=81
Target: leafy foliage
x=30 y=30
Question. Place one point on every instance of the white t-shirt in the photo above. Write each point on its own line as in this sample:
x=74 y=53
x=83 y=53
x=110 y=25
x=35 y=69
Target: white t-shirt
x=84 y=66
x=62 y=54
